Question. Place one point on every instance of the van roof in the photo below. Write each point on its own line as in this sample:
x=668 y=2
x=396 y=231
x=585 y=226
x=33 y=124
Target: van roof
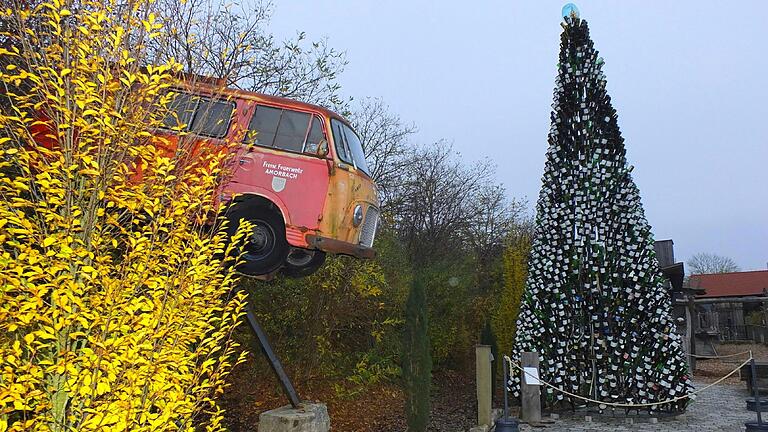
x=215 y=87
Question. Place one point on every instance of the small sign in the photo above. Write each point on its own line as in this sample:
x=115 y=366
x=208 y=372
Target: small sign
x=531 y=375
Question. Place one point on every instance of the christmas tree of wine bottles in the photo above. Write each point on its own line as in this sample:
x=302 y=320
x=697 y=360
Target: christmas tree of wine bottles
x=595 y=308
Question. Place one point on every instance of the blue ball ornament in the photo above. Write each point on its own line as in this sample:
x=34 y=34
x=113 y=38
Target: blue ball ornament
x=570 y=9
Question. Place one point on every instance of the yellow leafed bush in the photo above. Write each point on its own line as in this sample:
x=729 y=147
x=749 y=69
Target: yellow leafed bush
x=116 y=308
x=515 y=267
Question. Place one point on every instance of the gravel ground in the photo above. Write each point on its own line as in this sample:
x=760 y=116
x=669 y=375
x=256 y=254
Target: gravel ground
x=721 y=408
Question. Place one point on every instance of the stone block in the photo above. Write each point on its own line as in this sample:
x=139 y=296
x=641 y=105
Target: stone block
x=309 y=417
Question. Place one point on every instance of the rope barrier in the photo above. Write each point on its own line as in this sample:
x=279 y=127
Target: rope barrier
x=719 y=357
x=628 y=405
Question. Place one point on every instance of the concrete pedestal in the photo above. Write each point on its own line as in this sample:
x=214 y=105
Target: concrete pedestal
x=308 y=417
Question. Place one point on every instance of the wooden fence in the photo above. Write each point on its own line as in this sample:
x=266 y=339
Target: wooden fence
x=744 y=333
x=758 y=334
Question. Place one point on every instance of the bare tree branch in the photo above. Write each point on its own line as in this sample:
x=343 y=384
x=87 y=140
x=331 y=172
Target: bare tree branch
x=231 y=41
x=703 y=263
x=385 y=142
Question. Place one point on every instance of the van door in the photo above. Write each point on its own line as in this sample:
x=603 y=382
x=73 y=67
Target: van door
x=283 y=165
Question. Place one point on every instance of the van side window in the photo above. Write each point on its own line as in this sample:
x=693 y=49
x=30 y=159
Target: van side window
x=200 y=115
x=212 y=117
x=281 y=128
x=263 y=126
x=180 y=112
x=315 y=136
x=292 y=131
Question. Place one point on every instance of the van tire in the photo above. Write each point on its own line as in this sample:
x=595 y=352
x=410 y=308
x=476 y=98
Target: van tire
x=265 y=247
x=294 y=270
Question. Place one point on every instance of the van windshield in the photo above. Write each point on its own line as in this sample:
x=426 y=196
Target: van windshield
x=348 y=146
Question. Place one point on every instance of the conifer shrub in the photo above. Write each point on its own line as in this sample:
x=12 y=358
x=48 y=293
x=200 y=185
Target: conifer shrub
x=417 y=361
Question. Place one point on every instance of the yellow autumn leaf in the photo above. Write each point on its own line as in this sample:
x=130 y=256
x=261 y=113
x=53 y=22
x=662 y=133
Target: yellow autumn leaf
x=29 y=338
x=102 y=387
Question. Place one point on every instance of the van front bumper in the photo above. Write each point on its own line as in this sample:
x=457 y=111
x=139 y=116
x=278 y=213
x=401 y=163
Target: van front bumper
x=340 y=247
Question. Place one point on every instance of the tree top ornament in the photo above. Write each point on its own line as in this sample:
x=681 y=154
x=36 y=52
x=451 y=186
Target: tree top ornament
x=570 y=10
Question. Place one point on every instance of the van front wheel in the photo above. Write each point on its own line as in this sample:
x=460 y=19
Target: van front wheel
x=265 y=247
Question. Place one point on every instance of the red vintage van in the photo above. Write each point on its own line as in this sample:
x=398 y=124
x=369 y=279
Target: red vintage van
x=299 y=176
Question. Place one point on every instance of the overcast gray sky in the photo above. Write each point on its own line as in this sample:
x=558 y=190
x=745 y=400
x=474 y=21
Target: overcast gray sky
x=688 y=79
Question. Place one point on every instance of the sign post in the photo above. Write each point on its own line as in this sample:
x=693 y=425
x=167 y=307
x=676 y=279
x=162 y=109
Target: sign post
x=757 y=426
x=483 y=376
x=530 y=393
x=506 y=424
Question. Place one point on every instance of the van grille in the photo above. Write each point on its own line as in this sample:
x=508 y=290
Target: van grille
x=368 y=230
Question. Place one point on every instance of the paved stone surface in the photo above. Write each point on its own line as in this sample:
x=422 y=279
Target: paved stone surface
x=721 y=408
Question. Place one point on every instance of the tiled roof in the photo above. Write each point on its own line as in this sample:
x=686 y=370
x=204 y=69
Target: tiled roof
x=748 y=283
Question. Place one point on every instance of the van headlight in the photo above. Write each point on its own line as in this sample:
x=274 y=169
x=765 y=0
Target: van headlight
x=357 y=215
